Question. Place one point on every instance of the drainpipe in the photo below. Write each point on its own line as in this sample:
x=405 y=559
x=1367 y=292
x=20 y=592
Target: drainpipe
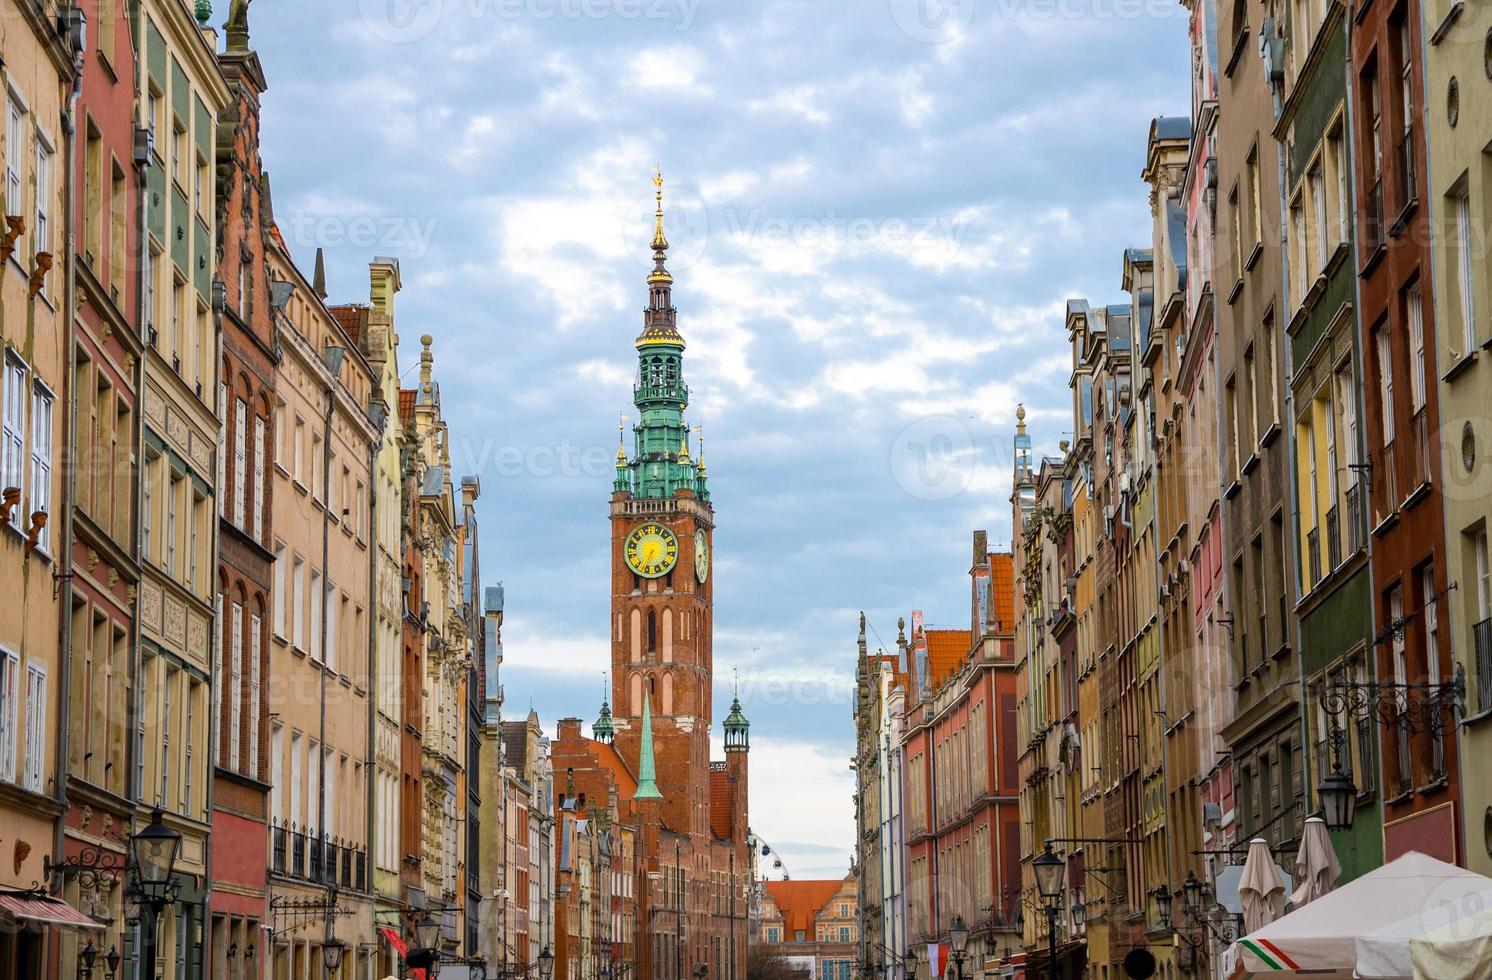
x=330 y=360
x=370 y=765
x=63 y=552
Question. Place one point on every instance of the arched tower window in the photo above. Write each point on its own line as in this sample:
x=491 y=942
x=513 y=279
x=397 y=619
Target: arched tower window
x=667 y=694
x=652 y=632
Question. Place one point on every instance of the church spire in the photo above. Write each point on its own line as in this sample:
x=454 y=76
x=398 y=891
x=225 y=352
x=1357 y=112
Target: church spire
x=659 y=325
x=603 y=730
x=647 y=777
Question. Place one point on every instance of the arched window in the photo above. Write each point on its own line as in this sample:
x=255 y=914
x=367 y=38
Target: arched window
x=652 y=632
x=667 y=694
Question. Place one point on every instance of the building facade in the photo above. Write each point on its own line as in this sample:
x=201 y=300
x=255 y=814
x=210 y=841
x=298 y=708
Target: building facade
x=813 y=925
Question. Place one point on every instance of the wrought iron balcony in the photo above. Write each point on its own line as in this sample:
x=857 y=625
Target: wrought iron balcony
x=1481 y=635
x=1354 y=518
x=1333 y=538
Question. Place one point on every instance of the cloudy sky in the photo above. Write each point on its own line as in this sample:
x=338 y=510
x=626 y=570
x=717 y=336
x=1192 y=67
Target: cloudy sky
x=878 y=209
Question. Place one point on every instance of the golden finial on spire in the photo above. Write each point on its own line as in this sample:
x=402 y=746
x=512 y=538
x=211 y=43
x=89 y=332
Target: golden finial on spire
x=660 y=242
x=621 y=441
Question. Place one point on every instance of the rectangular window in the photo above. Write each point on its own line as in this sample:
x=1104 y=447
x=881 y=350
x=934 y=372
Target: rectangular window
x=1385 y=383
x=177 y=340
x=188 y=740
x=41 y=457
x=299 y=613
x=147 y=505
x=240 y=461
x=317 y=596
x=194 y=545
x=1465 y=271
x=14 y=430
x=173 y=501
x=1414 y=314
x=279 y=589
x=1256 y=225
x=1316 y=183
x=1336 y=163
x=222 y=485
x=261 y=438
x=34 y=775
x=256 y=639
x=163 y=789
x=277 y=772
x=331 y=626
x=9 y=717
x=219 y=624
x=235 y=684
x=43 y=228
x=1432 y=623
x=1396 y=617
x=15 y=145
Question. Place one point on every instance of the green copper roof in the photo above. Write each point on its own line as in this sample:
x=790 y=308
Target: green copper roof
x=660 y=464
x=737 y=728
x=603 y=730
x=647 y=780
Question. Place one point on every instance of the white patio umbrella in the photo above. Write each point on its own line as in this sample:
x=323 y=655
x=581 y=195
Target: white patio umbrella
x=1455 y=931
x=1324 y=934
x=1262 y=890
x=1316 y=865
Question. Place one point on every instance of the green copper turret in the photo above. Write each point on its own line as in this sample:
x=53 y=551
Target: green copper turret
x=660 y=464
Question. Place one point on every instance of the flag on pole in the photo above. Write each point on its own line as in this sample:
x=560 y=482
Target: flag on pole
x=937 y=958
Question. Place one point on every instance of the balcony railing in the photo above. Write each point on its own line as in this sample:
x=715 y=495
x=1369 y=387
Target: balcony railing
x=1354 y=518
x=1313 y=555
x=1481 y=635
x=1333 y=538
x=319 y=858
x=1405 y=761
x=1407 y=188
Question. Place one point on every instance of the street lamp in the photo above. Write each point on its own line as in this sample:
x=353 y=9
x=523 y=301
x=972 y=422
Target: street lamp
x=1163 y=905
x=112 y=962
x=1338 y=798
x=546 y=964
x=423 y=954
x=89 y=954
x=1191 y=893
x=958 y=938
x=909 y=964
x=1049 y=870
x=332 y=949
x=155 y=851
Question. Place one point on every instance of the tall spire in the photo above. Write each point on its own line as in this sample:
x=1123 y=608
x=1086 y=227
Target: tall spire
x=658 y=320
x=647 y=779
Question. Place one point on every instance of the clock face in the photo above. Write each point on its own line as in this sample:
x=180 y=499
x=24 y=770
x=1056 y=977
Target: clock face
x=652 y=550
x=701 y=556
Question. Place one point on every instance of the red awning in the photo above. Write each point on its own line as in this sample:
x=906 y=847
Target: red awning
x=401 y=948
x=45 y=910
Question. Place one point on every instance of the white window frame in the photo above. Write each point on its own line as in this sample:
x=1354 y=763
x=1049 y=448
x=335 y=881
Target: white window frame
x=256 y=641
x=15 y=145
x=13 y=431
x=235 y=683
x=217 y=678
x=1465 y=272
x=1432 y=624
x=261 y=438
x=41 y=237
x=240 y=462
x=33 y=776
x=1414 y=312
x=10 y=701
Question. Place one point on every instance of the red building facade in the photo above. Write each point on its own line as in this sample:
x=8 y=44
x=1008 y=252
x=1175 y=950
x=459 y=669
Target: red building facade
x=1421 y=797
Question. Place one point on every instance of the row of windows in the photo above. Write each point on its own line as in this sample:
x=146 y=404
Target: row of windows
x=243 y=446
x=317 y=776
x=175 y=522
x=23 y=730
x=236 y=695
x=298 y=607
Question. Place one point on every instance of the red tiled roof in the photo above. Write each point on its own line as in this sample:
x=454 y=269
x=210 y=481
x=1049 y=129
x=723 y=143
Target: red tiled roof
x=406 y=404
x=608 y=756
x=350 y=316
x=800 y=902
x=722 y=803
x=1002 y=587
x=946 y=649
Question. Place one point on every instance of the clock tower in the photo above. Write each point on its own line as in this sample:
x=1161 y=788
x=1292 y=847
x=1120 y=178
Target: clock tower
x=662 y=580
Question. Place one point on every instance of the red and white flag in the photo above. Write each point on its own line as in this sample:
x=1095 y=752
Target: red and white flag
x=937 y=958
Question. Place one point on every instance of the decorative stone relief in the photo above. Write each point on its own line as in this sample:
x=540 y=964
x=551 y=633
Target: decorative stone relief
x=150 y=606
x=155 y=407
x=174 y=624
x=197 y=636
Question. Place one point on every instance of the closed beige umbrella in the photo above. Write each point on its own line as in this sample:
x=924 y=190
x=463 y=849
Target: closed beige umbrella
x=1316 y=865
x=1262 y=890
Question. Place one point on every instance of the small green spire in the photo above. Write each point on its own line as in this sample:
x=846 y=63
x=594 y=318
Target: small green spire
x=603 y=730
x=647 y=780
x=737 y=728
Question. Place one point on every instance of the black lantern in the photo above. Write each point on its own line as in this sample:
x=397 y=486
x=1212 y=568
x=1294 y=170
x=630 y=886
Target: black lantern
x=1163 y=905
x=1077 y=912
x=112 y=961
x=909 y=963
x=89 y=955
x=1338 y=799
x=1049 y=868
x=546 y=964
x=958 y=936
x=156 y=849
x=332 y=949
x=1191 y=893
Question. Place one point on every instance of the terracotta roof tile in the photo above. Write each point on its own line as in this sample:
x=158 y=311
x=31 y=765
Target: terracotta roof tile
x=946 y=649
x=1002 y=582
x=609 y=757
x=801 y=901
x=350 y=316
x=406 y=404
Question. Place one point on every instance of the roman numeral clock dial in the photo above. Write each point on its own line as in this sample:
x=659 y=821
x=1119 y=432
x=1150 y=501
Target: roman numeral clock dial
x=652 y=550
